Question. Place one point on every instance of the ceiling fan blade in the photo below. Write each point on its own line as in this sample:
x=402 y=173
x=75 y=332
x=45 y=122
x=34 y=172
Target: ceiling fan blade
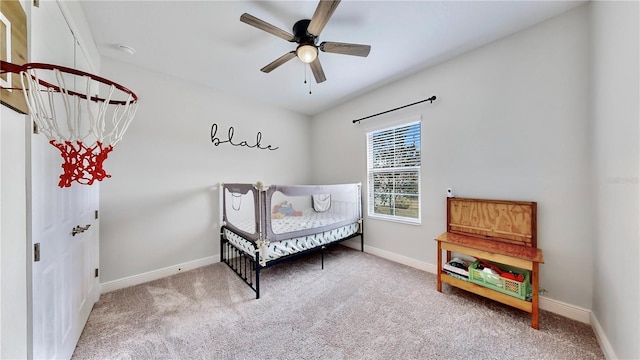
x=322 y=15
x=318 y=73
x=265 y=26
x=279 y=61
x=345 y=48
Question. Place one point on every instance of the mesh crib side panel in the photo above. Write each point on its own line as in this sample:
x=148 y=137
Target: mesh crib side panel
x=240 y=207
x=293 y=214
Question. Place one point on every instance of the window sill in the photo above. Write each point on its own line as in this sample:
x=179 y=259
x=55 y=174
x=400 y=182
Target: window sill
x=395 y=219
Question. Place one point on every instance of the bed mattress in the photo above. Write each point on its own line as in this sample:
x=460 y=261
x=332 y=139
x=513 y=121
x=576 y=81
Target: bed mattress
x=309 y=219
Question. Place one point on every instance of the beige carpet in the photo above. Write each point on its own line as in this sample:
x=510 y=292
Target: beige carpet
x=359 y=307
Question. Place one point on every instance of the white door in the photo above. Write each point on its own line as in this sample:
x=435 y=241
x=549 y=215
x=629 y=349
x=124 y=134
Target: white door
x=64 y=283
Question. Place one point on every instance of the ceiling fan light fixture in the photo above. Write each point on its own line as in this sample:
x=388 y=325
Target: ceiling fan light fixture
x=307 y=53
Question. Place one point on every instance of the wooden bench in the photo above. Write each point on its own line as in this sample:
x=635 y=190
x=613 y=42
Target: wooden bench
x=500 y=231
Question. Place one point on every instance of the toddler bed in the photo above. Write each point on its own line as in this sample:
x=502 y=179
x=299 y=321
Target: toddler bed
x=265 y=225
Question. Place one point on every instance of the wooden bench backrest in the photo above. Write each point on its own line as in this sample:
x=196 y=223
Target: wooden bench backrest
x=512 y=222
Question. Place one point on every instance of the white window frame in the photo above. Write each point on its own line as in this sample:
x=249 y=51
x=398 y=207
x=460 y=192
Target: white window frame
x=370 y=171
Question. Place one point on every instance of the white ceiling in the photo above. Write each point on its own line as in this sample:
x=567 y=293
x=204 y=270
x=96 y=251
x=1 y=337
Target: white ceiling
x=205 y=42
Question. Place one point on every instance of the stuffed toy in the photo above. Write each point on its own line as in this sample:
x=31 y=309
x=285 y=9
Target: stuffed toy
x=284 y=209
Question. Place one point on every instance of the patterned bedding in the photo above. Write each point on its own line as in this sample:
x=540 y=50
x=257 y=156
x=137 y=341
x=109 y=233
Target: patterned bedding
x=309 y=219
x=282 y=248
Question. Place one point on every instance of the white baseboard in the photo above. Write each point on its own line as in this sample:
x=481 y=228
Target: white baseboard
x=567 y=310
x=404 y=260
x=605 y=345
x=156 y=274
x=557 y=307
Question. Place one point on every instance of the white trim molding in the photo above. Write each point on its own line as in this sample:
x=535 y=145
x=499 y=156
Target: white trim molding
x=157 y=274
x=605 y=345
x=401 y=259
x=570 y=311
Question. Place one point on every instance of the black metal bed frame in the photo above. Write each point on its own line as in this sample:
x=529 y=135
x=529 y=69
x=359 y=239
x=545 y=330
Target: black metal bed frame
x=248 y=268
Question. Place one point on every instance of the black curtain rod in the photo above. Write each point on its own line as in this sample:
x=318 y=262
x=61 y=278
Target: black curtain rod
x=398 y=108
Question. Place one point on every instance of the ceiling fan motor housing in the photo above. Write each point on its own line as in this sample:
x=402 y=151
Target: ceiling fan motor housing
x=301 y=35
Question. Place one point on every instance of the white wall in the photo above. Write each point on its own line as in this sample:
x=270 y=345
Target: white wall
x=616 y=96
x=13 y=236
x=1 y=241
x=13 y=233
x=160 y=208
x=13 y=246
x=510 y=122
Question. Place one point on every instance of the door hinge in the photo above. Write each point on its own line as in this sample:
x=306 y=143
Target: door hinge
x=36 y=3
x=96 y=214
x=36 y=252
x=97 y=272
x=36 y=130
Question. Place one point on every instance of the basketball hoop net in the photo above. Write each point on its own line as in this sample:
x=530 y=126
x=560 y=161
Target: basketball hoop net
x=83 y=115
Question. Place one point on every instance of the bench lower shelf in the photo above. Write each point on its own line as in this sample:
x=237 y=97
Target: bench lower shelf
x=488 y=293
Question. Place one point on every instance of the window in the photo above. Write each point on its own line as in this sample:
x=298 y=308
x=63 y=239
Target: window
x=393 y=171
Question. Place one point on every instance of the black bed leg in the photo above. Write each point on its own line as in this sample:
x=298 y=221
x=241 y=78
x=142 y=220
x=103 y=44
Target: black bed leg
x=322 y=256
x=221 y=247
x=257 y=280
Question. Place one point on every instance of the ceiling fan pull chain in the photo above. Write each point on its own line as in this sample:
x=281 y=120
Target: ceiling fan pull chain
x=305 y=78
x=305 y=75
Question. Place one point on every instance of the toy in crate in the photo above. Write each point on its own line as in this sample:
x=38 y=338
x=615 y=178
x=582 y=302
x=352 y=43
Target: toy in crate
x=458 y=267
x=503 y=278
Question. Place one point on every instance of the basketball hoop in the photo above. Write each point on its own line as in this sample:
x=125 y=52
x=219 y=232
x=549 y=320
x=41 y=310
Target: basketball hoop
x=83 y=115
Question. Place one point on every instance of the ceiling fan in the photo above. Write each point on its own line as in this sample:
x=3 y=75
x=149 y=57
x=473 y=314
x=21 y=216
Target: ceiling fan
x=306 y=33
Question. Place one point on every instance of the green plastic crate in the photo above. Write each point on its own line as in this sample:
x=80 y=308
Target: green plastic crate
x=521 y=290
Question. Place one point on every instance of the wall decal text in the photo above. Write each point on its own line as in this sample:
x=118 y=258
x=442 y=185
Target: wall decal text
x=216 y=140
